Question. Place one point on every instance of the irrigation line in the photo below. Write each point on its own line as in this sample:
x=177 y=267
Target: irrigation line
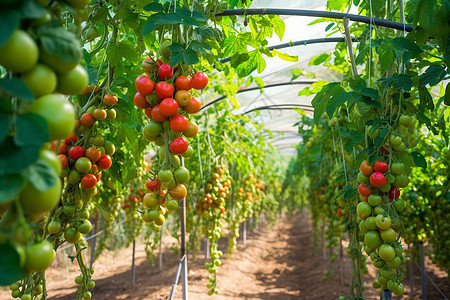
x=316 y=13
x=300 y=43
x=177 y=277
x=257 y=88
x=280 y=107
x=432 y=282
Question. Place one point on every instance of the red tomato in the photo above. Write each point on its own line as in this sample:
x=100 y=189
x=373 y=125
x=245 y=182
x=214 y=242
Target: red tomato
x=339 y=212
x=179 y=123
x=158 y=64
x=165 y=72
x=394 y=193
x=153 y=185
x=98 y=176
x=364 y=190
x=144 y=85
x=183 y=83
x=193 y=107
x=380 y=166
x=87 y=120
x=72 y=138
x=157 y=115
x=140 y=101
x=385 y=149
x=164 y=90
x=62 y=146
x=104 y=162
x=88 y=181
x=377 y=179
x=76 y=152
x=168 y=107
x=179 y=145
x=148 y=112
x=199 y=81
x=63 y=160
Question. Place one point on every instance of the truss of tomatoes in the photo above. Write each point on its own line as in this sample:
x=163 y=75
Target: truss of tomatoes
x=216 y=192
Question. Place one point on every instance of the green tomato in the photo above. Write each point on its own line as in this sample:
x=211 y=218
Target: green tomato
x=85 y=227
x=72 y=235
x=364 y=210
x=188 y=153
x=35 y=202
x=110 y=148
x=165 y=175
x=153 y=214
x=52 y=159
x=385 y=188
x=20 y=53
x=182 y=175
x=74 y=177
x=59 y=65
x=54 y=227
x=374 y=200
x=386 y=252
x=57 y=112
x=383 y=222
x=399 y=205
x=73 y=82
x=370 y=223
x=388 y=235
x=152 y=129
x=405 y=120
x=83 y=165
x=363 y=179
x=397 y=168
x=39 y=256
x=372 y=239
x=172 y=204
x=41 y=80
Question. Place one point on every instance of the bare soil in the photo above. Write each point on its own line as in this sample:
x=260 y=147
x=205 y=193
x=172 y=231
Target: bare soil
x=275 y=263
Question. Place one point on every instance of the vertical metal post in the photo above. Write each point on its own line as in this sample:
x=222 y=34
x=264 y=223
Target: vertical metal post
x=341 y=260
x=184 y=278
x=422 y=267
x=206 y=248
x=323 y=243
x=244 y=233
x=91 y=263
x=133 y=275
x=411 y=277
x=160 y=250
x=387 y=295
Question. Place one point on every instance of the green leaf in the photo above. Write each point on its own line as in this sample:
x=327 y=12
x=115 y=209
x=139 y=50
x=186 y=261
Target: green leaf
x=405 y=44
x=175 y=47
x=362 y=55
x=10 y=269
x=433 y=75
x=238 y=58
x=387 y=56
x=10 y=186
x=31 y=10
x=285 y=56
x=14 y=159
x=379 y=140
x=113 y=54
x=321 y=58
x=128 y=51
x=426 y=14
x=329 y=26
x=260 y=83
x=278 y=26
x=41 y=175
x=5 y=124
x=9 y=21
x=334 y=102
x=155 y=20
x=60 y=42
x=154 y=6
x=419 y=159
x=371 y=93
x=100 y=15
x=16 y=87
x=190 y=57
x=31 y=129
x=176 y=57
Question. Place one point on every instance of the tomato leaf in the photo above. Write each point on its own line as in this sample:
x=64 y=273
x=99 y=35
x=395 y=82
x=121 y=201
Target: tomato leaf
x=5 y=124
x=278 y=26
x=16 y=87
x=14 y=159
x=10 y=270
x=419 y=159
x=31 y=10
x=10 y=186
x=426 y=15
x=31 y=129
x=9 y=21
x=59 y=42
x=387 y=56
x=190 y=57
x=405 y=44
x=321 y=58
x=41 y=175
x=433 y=75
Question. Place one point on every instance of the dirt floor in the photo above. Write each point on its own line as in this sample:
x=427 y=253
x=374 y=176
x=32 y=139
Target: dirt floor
x=275 y=263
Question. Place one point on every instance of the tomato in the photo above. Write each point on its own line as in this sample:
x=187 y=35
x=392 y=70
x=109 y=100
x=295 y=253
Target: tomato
x=39 y=256
x=193 y=107
x=164 y=90
x=140 y=102
x=150 y=200
x=51 y=158
x=364 y=210
x=144 y=85
x=85 y=227
x=64 y=161
x=79 y=4
x=76 y=152
x=57 y=112
x=152 y=128
x=364 y=190
x=178 y=192
x=386 y=252
x=54 y=227
x=93 y=154
x=104 y=162
x=90 y=284
x=362 y=178
x=148 y=112
x=388 y=235
x=394 y=193
x=99 y=140
x=87 y=120
x=72 y=235
x=20 y=53
x=41 y=80
x=74 y=176
x=172 y=204
x=377 y=179
x=179 y=123
x=88 y=181
x=397 y=168
x=385 y=149
x=365 y=168
x=148 y=65
x=380 y=166
x=157 y=115
x=372 y=239
x=405 y=120
x=111 y=114
x=73 y=82
x=374 y=200
x=188 y=152
x=399 y=205
x=110 y=100
x=370 y=223
x=339 y=212
x=153 y=185
x=399 y=289
x=401 y=180
x=383 y=222
x=72 y=138
x=83 y=165
x=191 y=130
x=179 y=145
x=100 y=114
x=168 y=107
x=35 y=202
x=394 y=263
x=181 y=175
x=163 y=49
x=183 y=83
x=160 y=220
x=98 y=176
x=183 y=97
x=199 y=81
x=165 y=72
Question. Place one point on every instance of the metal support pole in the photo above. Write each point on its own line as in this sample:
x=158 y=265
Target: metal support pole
x=206 y=248
x=160 y=250
x=341 y=260
x=411 y=277
x=387 y=295
x=244 y=233
x=184 y=278
x=133 y=275
x=422 y=267
x=91 y=263
x=324 y=250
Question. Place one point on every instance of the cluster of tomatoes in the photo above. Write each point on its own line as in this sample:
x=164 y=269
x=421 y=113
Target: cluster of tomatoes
x=380 y=222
